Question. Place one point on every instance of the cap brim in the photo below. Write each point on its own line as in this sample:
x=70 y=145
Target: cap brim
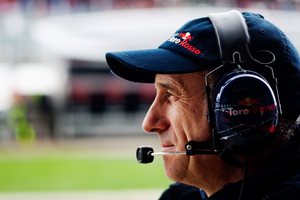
x=143 y=65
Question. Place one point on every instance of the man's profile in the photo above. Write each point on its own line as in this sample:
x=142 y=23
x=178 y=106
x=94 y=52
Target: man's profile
x=228 y=93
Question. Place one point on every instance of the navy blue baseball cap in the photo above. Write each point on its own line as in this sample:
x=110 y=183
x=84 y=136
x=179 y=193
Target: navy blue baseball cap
x=194 y=47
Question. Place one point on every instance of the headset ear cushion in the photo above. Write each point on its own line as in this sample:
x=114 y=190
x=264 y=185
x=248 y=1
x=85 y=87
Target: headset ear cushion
x=246 y=113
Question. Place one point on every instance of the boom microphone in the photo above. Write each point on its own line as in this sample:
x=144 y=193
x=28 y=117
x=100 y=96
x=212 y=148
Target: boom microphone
x=145 y=154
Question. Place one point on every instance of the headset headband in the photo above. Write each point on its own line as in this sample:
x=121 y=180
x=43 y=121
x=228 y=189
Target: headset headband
x=237 y=43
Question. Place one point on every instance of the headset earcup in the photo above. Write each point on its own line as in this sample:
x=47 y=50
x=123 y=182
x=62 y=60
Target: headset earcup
x=245 y=111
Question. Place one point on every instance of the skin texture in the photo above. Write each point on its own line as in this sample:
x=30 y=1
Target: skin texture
x=178 y=115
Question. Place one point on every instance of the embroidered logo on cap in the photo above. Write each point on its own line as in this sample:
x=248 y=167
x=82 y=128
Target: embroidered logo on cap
x=186 y=36
x=183 y=39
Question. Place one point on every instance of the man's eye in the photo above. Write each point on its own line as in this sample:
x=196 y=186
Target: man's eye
x=172 y=97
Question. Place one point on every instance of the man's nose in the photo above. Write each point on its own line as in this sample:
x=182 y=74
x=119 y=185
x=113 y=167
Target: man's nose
x=155 y=119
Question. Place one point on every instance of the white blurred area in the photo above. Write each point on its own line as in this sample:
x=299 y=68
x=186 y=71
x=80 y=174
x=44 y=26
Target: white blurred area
x=52 y=60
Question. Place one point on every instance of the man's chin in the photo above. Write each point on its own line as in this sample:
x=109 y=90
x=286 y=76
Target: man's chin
x=175 y=168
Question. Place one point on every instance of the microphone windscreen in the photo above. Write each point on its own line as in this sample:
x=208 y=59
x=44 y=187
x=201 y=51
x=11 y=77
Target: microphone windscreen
x=143 y=154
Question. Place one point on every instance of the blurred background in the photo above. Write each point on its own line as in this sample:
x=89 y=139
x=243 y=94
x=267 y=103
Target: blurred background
x=68 y=127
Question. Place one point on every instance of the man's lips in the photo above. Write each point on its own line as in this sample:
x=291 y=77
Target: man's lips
x=168 y=147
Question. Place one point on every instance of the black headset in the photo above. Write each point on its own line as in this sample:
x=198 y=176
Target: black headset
x=244 y=108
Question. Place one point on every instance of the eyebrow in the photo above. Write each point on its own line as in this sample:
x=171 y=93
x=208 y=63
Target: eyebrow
x=169 y=87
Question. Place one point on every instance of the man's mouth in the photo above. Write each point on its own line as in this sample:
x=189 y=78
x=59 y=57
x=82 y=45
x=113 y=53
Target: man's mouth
x=168 y=147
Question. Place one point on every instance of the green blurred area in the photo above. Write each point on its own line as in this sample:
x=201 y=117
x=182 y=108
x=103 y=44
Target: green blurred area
x=62 y=170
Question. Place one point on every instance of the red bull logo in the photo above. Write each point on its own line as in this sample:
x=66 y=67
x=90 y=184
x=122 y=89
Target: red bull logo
x=184 y=41
x=248 y=102
x=186 y=36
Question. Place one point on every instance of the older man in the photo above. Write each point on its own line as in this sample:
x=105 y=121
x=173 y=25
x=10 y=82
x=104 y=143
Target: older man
x=245 y=127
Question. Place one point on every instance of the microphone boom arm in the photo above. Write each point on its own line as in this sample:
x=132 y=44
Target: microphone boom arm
x=145 y=154
x=167 y=153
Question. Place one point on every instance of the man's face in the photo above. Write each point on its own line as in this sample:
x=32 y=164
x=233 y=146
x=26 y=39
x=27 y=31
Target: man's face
x=178 y=115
